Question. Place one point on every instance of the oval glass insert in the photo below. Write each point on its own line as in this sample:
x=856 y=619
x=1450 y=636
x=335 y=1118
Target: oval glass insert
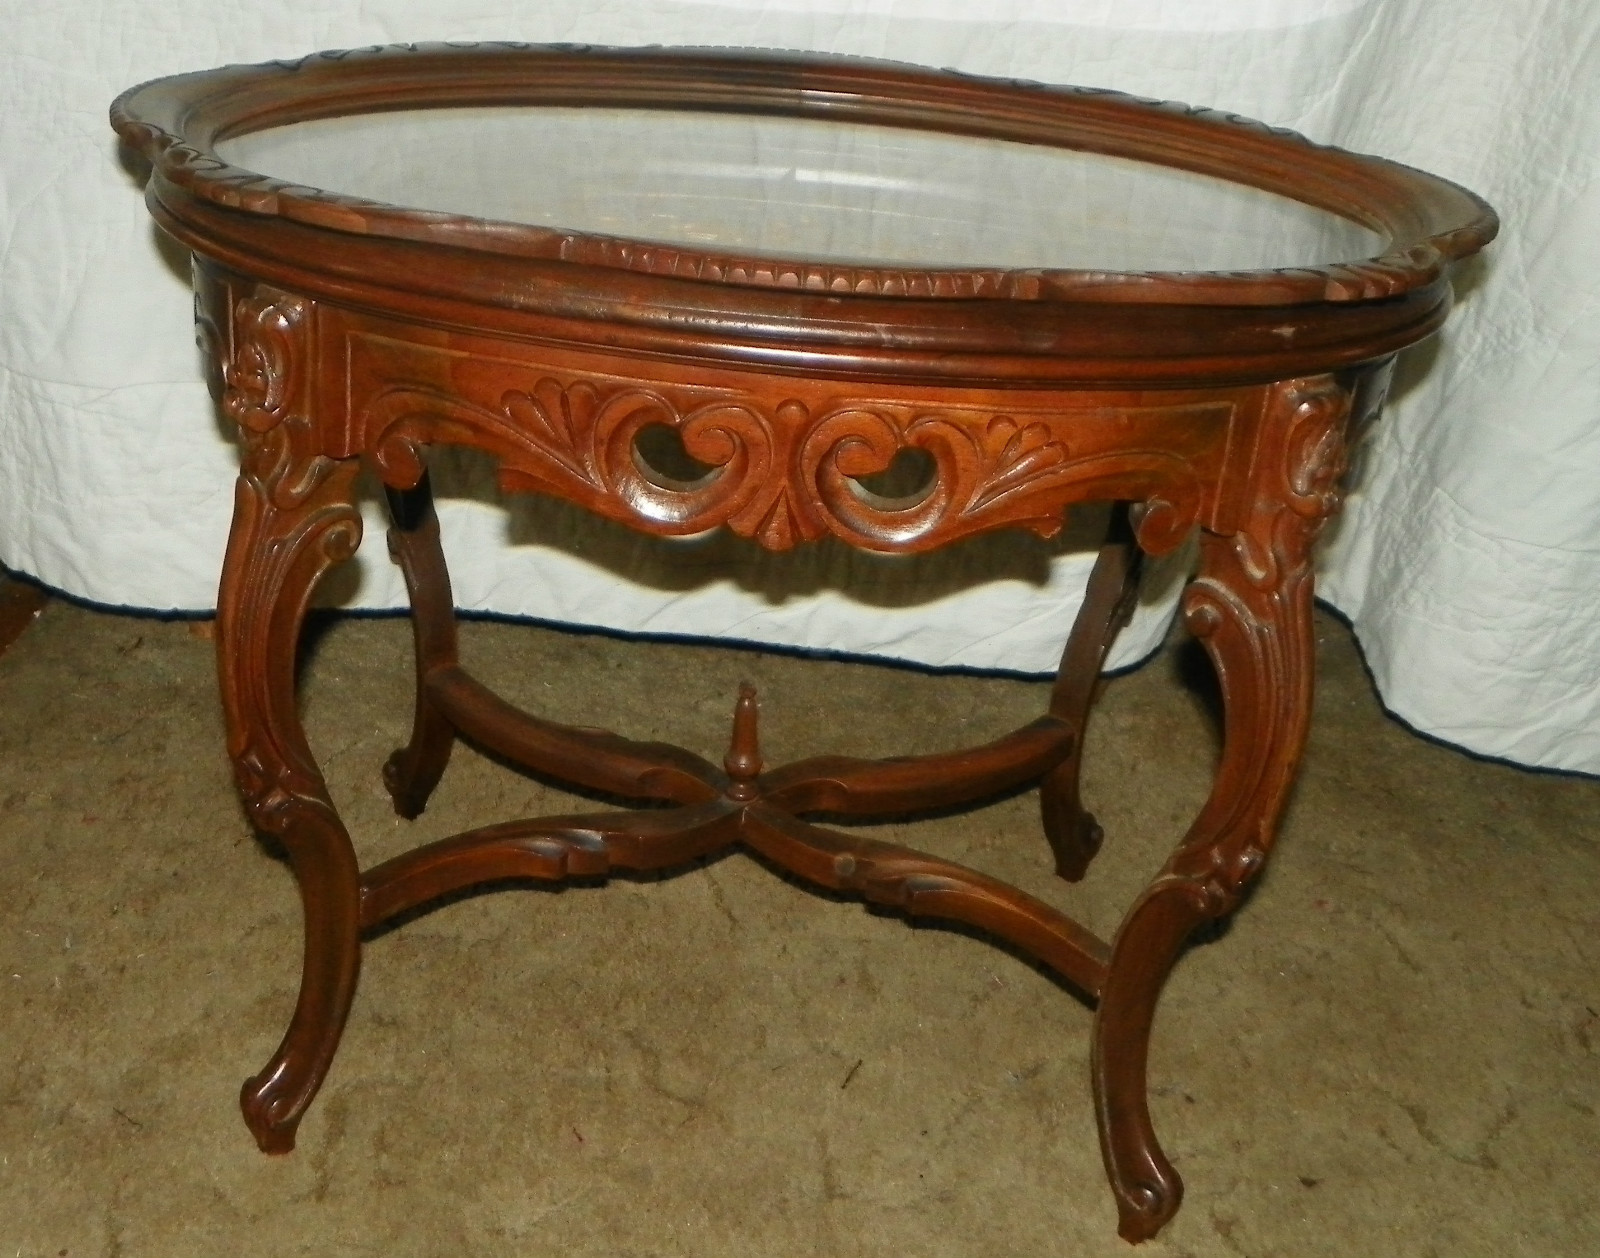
x=802 y=189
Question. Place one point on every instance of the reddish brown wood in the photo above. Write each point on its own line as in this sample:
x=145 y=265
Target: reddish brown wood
x=920 y=885
x=548 y=848
x=294 y=517
x=743 y=761
x=1251 y=607
x=1108 y=601
x=788 y=453
x=412 y=772
x=351 y=331
x=589 y=758
x=911 y=784
x=20 y=605
x=178 y=119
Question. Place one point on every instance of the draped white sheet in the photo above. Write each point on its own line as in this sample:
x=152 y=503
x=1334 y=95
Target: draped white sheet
x=1468 y=557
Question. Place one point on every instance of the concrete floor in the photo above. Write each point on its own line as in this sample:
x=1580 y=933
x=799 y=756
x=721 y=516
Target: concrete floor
x=1395 y=1049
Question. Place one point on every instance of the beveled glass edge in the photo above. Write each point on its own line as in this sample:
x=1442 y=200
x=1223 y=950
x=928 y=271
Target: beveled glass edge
x=1429 y=222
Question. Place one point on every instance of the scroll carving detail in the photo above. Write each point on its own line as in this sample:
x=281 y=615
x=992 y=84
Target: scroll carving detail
x=785 y=473
x=294 y=517
x=1255 y=592
x=264 y=374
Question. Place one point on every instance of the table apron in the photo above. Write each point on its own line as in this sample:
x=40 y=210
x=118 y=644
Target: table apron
x=778 y=459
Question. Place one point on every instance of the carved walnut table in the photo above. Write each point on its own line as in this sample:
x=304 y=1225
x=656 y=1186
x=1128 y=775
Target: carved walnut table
x=797 y=269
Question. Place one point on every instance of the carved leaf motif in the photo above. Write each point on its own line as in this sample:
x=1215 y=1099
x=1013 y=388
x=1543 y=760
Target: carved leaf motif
x=1025 y=456
x=293 y=518
x=1317 y=458
x=777 y=515
x=553 y=417
x=576 y=441
x=781 y=528
x=1251 y=604
x=265 y=374
x=264 y=387
x=536 y=434
x=1307 y=459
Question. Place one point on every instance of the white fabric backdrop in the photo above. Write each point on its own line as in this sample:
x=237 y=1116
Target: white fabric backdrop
x=1469 y=555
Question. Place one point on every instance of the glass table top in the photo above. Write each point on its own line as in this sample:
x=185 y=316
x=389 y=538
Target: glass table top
x=802 y=188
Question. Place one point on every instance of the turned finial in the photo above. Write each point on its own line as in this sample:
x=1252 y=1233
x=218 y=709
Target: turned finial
x=743 y=761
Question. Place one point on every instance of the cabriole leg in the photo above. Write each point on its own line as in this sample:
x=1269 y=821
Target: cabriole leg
x=413 y=771
x=1108 y=601
x=294 y=518
x=1251 y=607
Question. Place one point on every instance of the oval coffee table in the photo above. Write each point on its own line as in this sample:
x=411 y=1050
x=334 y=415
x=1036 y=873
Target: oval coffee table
x=794 y=296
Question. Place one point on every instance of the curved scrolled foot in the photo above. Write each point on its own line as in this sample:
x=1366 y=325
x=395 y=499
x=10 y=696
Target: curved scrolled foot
x=1148 y=1205
x=1147 y=1188
x=294 y=518
x=270 y=1113
x=1071 y=830
x=274 y=1099
x=411 y=772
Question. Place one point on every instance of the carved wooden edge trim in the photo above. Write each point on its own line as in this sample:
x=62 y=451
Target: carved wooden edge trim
x=788 y=472
x=1430 y=222
x=867 y=339
x=756 y=271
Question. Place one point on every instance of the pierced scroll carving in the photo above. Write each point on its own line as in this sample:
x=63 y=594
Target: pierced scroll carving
x=791 y=471
x=579 y=443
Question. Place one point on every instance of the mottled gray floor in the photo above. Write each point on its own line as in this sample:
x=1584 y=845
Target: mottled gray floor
x=1394 y=1050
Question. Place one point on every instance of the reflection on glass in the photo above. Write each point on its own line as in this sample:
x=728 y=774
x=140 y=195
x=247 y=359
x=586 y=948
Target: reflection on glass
x=802 y=189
